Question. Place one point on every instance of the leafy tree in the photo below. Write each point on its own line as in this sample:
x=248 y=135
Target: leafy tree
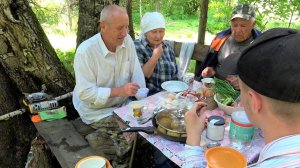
x=270 y=13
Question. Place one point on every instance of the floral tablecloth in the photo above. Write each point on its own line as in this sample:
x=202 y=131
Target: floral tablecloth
x=174 y=150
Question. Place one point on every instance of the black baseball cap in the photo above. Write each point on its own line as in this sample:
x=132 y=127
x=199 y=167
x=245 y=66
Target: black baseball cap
x=271 y=64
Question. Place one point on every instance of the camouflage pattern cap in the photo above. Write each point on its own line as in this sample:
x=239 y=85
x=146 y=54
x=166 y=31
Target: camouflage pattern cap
x=245 y=11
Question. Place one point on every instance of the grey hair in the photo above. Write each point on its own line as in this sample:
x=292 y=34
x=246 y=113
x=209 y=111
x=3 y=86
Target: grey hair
x=108 y=11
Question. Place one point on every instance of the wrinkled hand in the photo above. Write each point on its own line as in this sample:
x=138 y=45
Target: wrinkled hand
x=208 y=72
x=234 y=82
x=158 y=51
x=130 y=89
x=195 y=123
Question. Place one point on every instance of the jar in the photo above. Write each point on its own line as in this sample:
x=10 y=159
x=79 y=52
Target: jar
x=215 y=128
x=241 y=128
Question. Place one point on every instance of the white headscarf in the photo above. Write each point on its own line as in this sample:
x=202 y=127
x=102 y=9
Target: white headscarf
x=151 y=21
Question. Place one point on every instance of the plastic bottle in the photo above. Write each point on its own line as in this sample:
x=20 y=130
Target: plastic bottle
x=241 y=130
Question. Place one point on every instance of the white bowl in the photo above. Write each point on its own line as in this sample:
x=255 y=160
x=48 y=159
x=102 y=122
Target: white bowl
x=92 y=162
x=227 y=109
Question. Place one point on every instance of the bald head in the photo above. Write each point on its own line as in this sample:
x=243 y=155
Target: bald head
x=109 y=11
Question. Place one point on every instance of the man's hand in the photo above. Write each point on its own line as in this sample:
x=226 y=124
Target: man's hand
x=208 y=72
x=233 y=81
x=195 y=123
x=129 y=89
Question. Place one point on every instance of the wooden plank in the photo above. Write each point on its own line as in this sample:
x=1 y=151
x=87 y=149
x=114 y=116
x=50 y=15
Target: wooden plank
x=65 y=142
x=199 y=54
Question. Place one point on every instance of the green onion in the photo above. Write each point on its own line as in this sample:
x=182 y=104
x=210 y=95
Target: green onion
x=226 y=91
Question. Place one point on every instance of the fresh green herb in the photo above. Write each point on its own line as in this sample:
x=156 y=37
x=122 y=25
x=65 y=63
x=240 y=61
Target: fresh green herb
x=227 y=93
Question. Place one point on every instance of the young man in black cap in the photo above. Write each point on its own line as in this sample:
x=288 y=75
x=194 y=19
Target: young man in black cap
x=269 y=80
x=233 y=40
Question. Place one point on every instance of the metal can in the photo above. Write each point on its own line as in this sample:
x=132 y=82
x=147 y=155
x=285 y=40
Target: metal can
x=215 y=128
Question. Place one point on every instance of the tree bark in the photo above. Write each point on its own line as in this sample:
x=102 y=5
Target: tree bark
x=201 y=31
x=89 y=14
x=129 y=12
x=27 y=60
x=202 y=21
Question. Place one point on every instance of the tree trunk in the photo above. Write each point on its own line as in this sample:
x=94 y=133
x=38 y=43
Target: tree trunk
x=201 y=31
x=27 y=60
x=69 y=13
x=129 y=12
x=89 y=14
x=202 y=21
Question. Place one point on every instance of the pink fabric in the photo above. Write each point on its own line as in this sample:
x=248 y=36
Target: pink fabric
x=174 y=150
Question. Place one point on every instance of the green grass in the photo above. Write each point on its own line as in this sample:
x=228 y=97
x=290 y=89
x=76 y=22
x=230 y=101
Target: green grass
x=67 y=58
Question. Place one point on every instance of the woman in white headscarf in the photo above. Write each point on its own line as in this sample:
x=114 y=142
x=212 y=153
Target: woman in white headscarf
x=156 y=56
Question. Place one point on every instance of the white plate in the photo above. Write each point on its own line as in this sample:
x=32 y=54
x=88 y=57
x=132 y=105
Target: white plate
x=174 y=86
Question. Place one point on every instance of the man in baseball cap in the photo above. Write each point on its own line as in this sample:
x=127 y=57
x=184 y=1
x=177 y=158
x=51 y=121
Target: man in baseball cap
x=231 y=41
x=269 y=80
x=245 y=11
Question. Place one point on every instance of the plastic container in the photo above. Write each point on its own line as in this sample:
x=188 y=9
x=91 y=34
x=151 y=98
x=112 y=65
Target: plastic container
x=241 y=130
x=225 y=157
x=188 y=78
x=215 y=128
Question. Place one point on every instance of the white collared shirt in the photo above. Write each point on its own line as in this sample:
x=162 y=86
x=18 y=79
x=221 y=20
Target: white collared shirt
x=97 y=70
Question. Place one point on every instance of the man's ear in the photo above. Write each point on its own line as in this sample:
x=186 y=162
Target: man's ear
x=255 y=101
x=102 y=25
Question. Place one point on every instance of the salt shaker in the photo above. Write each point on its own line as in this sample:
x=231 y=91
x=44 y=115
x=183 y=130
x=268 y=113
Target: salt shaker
x=215 y=128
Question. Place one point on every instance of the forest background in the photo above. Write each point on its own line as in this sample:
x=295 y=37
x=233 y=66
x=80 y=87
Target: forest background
x=59 y=19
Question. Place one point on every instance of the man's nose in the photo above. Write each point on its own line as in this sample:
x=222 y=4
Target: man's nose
x=124 y=31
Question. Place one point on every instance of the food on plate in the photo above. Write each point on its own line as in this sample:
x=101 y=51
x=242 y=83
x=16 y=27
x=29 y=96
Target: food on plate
x=174 y=134
x=190 y=95
x=183 y=135
x=171 y=96
x=165 y=122
x=175 y=124
x=164 y=114
x=161 y=130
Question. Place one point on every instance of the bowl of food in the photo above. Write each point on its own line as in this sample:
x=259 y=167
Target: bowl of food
x=226 y=106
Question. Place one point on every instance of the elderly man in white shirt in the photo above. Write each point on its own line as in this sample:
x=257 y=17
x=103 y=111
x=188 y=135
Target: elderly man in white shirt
x=107 y=72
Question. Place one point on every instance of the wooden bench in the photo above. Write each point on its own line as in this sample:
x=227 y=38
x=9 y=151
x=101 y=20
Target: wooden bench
x=65 y=142
x=199 y=54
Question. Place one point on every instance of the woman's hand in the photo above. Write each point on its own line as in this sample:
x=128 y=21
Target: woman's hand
x=158 y=51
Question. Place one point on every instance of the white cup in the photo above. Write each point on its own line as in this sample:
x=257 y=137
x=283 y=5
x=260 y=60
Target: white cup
x=142 y=93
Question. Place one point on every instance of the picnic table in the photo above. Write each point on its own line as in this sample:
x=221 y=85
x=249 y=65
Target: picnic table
x=175 y=150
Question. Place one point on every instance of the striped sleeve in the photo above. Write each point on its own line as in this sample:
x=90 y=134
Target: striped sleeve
x=194 y=157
